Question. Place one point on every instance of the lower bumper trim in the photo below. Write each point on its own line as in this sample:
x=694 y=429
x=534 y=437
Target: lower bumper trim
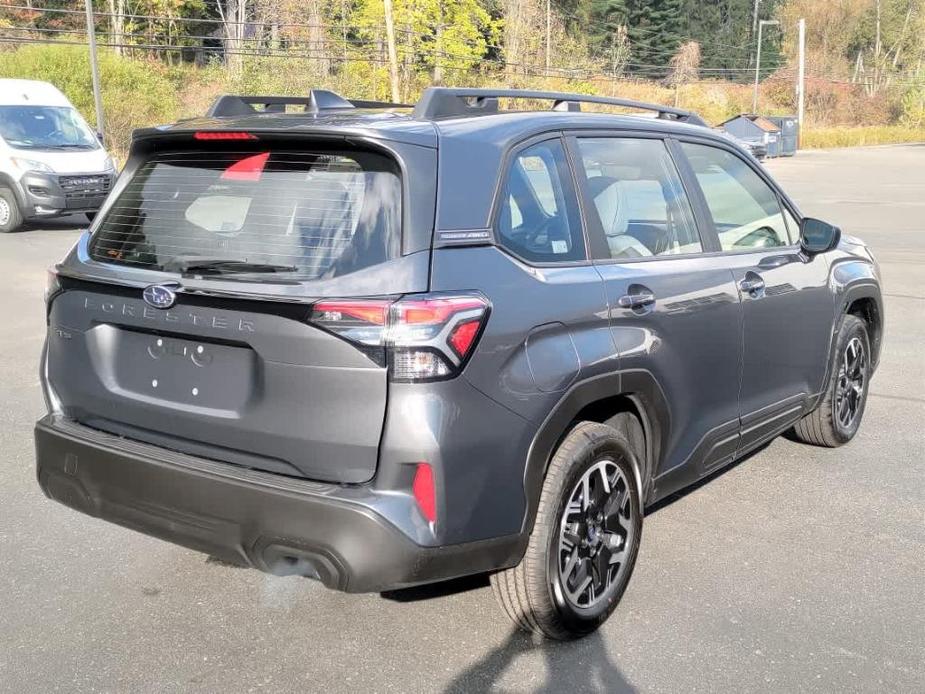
x=281 y=528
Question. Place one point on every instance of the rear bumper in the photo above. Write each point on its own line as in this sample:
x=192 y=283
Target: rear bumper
x=273 y=523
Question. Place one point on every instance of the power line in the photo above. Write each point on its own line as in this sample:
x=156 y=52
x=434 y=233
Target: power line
x=296 y=48
x=320 y=49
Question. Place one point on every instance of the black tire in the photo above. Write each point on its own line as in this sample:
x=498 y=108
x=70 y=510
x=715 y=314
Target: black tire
x=10 y=216
x=533 y=593
x=827 y=425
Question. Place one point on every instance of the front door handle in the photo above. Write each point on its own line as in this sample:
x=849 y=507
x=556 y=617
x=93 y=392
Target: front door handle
x=641 y=300
x=752 y=284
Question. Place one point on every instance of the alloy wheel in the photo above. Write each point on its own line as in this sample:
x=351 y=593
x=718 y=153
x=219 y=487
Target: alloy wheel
x=596 y=534
x=5 y=212
x=852 y=379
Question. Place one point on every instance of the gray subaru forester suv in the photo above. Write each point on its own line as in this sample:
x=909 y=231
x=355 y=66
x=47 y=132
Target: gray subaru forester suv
x=382 y=346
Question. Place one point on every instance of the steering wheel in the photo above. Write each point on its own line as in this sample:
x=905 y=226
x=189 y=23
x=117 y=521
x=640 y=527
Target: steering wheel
x=530 y=238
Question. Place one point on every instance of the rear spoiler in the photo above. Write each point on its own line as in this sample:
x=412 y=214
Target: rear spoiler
x=317 y=101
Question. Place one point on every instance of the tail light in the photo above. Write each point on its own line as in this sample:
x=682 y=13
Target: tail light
x=424 y=338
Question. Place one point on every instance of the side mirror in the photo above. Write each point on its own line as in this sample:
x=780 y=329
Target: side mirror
x=817 y=236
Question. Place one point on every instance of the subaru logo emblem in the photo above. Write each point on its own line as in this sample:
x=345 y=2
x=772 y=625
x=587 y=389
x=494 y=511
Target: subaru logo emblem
x=160 y=295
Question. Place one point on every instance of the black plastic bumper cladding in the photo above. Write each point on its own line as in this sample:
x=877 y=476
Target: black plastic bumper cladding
x=275 y=524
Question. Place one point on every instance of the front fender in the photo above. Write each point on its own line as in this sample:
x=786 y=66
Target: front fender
x=7 y=181
x=853 y=278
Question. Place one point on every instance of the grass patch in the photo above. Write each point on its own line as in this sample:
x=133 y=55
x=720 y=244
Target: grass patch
x=858 y=136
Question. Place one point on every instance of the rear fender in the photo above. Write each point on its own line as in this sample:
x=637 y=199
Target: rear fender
x=637 y=385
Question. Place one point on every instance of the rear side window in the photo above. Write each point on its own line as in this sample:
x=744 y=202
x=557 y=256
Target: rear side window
x=324 y=214
x=538 y=219
x=745 y=210
x=638 y=197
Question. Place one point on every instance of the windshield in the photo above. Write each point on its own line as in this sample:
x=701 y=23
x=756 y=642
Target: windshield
x=311 y=215
x=45 y=127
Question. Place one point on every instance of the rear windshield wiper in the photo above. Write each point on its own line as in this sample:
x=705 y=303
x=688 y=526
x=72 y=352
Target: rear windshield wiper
x=221 y=266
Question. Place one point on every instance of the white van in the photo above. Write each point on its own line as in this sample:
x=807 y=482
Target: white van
x=51 y=161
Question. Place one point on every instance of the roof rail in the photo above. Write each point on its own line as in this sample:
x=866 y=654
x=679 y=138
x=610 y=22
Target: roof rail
x=317 y=101
x=448 y=102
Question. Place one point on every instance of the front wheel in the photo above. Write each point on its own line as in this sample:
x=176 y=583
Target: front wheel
x=585 y=538
x=836 y=419
x=10 y=216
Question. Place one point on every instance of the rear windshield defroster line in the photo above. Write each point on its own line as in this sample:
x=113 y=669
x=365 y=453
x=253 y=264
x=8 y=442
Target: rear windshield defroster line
x=324 y=214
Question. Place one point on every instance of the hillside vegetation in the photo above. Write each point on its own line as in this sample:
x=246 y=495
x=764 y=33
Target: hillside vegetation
x=162 y=60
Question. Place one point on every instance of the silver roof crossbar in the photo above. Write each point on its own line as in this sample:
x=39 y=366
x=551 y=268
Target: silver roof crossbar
x=447 y=102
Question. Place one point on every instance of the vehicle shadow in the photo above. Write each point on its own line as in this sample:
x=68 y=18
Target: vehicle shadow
x=442 y=589
x=572 y=666
x=680 y=494
x=465 y=584
x=66 y=223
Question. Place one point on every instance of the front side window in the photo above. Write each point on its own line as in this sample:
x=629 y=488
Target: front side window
x=537 y=220
x=311 y=215
x=638 y=197
x=745 y=210
x=45 y=127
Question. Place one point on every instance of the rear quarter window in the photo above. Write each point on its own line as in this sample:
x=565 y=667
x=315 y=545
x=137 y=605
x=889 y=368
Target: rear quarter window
x=538 y=213
x=326 y=214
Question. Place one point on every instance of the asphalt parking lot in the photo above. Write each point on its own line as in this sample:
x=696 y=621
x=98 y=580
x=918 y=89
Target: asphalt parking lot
x=799 y=569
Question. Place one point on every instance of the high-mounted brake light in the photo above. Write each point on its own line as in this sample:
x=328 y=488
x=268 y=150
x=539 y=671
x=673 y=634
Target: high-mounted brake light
x=425 y=337
x=231 y=135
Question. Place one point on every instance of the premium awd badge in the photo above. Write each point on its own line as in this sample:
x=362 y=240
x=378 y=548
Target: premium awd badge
x=160 y=295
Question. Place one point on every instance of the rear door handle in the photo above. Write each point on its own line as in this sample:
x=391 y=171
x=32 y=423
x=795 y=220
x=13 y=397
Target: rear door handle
x=751 y=284
x=641 y=300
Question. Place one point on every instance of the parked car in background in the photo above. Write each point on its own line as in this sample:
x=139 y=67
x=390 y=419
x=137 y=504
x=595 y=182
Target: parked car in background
x=756 y=148
x=383 y=346
x=51 y=162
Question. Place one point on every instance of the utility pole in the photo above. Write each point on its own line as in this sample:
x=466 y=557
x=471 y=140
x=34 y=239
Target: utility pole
x=763 y=23
x=393 y=59
x=94 y=68
x=548 y=34
x=801 y=86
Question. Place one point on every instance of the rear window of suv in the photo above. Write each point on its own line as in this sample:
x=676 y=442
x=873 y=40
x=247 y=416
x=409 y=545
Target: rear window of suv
x=324 y=214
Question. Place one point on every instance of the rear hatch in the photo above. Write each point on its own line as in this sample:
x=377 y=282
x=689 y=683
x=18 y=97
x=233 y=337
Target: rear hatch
x=185 y=319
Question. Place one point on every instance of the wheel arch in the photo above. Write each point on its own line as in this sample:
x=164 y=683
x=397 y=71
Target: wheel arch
x=598 y=399
x=7 y=181
x=857 y=284
x=868 y=308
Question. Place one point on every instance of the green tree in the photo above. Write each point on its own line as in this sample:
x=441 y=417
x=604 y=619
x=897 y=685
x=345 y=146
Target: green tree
x=655 y=31
x=438 y=37
x=605 y=17
x=723 y=28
